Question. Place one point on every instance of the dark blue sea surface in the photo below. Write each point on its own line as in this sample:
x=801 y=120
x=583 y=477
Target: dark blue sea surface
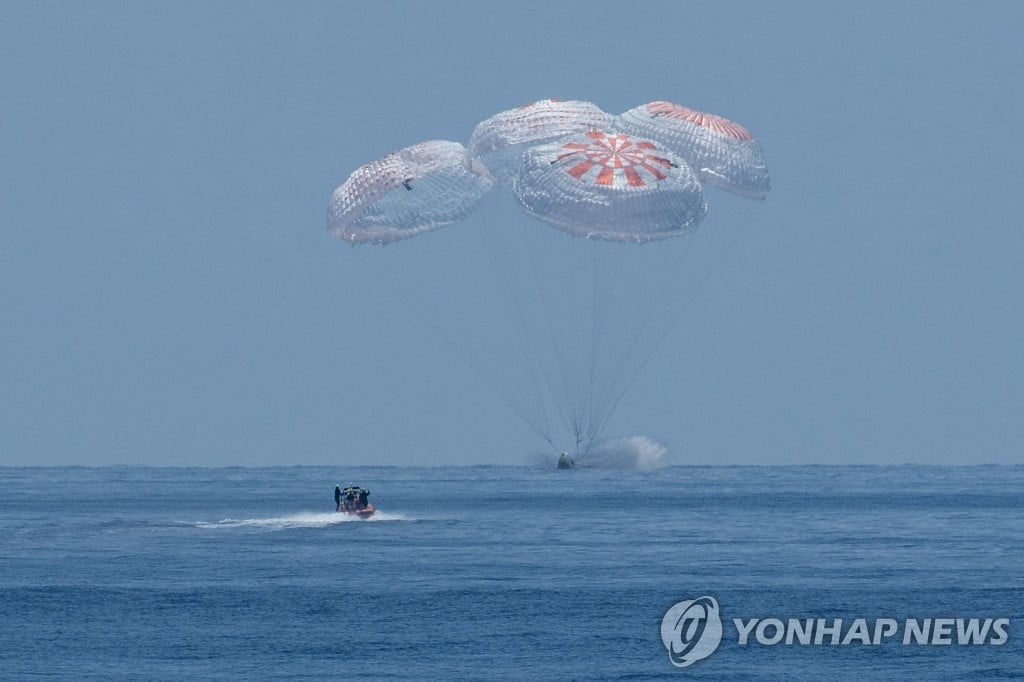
x=498 y=572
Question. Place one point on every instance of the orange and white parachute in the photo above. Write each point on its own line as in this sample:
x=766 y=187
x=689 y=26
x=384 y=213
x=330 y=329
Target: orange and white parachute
x=723 y=153
x=499 y=141
x=610 y=186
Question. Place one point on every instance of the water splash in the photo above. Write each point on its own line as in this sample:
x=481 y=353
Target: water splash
x=301 y=520
x=635 y=453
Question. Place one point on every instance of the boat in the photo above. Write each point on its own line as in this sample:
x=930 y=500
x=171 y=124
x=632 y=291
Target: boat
x=353 y=501
x=364 y=513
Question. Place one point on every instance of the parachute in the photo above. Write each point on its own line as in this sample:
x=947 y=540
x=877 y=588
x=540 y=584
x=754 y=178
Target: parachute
x=723 y=153
x=499 y=141
x=587 y=317
x=413 y=190
x=609 y=186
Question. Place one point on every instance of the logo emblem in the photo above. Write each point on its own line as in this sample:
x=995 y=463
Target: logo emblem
x=691 y=630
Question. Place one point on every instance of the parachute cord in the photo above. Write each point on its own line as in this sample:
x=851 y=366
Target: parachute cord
x=536 y=346
x=599 y=277
x=595 y=336
x=612 y=279
x=536 y=374
x=579 y=357
x=563 y=405
x=447 y=343
x=533 y=371
x=608 y=402
x=717 y=260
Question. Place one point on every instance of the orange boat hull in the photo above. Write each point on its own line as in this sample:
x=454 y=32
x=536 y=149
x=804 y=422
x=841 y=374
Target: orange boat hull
x=361 y=513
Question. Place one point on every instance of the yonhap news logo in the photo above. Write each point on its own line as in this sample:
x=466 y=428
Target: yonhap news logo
x=692 y=630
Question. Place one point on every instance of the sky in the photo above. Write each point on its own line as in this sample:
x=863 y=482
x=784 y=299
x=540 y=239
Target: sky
x=170 y=295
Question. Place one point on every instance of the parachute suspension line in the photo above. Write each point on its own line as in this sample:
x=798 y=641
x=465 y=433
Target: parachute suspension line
x=611 y=277
x=561 y=406
x=586 y=303
x=629 y=376
x=600 y=276
x=623 y=374
x=701 y=283
x=450 y=345
x=596 y=307
x=529 y=345
x=534 y=373
x=595 y=339
x=582 y=312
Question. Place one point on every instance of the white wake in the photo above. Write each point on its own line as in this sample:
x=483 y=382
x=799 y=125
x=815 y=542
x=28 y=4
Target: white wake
x=301 y=520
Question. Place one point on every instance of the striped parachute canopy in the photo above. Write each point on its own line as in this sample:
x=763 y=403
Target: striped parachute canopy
x=499 y=141
x=723 y=153
x=413 y=190
x=610 y=186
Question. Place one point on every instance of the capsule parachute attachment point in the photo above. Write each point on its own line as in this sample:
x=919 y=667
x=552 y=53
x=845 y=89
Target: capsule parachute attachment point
x=499 y=141
x=414 y=190
x=610 y=186
x=723 y=153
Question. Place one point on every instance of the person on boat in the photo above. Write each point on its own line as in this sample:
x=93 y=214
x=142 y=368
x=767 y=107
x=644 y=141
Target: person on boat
x=337 y=498
x=350 y=498
x=363 y=494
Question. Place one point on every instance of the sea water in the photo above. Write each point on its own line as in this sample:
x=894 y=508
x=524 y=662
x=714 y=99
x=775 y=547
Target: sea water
x=499 y=572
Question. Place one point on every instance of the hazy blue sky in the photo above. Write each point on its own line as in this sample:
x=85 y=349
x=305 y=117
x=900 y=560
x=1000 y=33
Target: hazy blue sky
x=169 y=294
